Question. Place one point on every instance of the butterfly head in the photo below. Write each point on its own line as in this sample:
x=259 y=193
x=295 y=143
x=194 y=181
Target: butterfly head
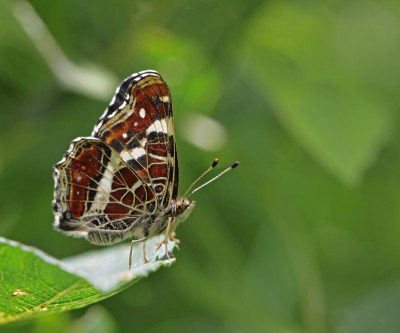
x=181 y=208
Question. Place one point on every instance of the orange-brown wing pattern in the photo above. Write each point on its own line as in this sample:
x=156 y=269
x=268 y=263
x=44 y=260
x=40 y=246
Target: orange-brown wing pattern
x=118 y=182
x=98 y=196
x=138 y=124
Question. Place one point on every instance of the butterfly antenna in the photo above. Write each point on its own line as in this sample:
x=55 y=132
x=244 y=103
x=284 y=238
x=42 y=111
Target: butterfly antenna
x=234 y=165
x=213 y=165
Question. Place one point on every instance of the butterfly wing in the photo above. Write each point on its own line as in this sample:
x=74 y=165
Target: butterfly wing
x=108 y=184
x=97 y=195
x=138 y=124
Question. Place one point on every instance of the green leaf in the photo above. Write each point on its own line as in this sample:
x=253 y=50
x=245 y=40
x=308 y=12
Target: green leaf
x=34 y=283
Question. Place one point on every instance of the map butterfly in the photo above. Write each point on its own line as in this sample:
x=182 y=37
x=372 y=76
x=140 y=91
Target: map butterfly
x=122 y=181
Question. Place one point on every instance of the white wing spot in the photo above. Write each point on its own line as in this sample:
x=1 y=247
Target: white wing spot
x=135 y=123
x=135 y=153
x=121 y=106
x=142 y=113
x=97 y=127
x=103 y=194
x=143 y=142
x=164 y=99
x=157 y=126
x=124 y=135
x=112 y=114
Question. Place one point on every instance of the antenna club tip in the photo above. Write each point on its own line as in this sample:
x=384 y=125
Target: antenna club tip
x=234 y=165
x=216 y=160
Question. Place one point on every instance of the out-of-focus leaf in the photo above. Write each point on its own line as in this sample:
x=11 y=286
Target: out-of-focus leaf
x=95 y=320
x=378 y=311
x=339 y=118
x=32 y=282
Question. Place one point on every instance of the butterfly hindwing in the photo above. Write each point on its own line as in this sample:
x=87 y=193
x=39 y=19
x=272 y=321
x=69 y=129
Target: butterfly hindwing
x=96 y=190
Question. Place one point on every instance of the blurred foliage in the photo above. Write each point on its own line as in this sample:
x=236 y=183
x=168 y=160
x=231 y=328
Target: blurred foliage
x=304 y=235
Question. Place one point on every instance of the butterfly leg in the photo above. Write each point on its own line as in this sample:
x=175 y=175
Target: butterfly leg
x=165 y=240
x=130 y=253
x=144 y=253
x=166 y=237
x=175 y=239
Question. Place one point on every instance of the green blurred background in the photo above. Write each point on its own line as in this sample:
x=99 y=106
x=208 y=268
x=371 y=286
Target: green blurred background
x=304 y=235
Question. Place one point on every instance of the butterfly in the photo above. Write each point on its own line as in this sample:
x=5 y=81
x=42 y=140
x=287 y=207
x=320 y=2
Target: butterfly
x=122 y=181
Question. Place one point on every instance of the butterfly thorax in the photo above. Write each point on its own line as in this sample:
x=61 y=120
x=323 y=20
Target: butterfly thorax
x=179 y=210
x=176 y=213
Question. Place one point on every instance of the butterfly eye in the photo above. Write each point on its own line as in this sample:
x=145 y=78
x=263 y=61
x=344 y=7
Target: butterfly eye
x=181 y=206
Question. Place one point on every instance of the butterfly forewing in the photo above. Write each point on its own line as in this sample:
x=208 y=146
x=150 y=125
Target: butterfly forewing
x=138 y=124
